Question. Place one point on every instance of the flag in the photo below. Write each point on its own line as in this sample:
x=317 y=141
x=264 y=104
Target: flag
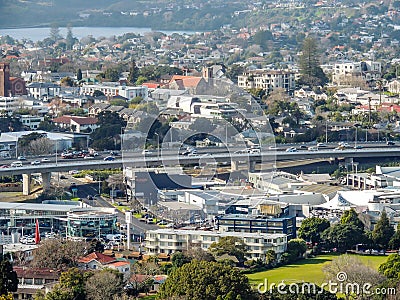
x=37 y=233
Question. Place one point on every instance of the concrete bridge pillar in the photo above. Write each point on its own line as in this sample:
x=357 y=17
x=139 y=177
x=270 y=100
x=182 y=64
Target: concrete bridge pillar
x=252 y=166
x=46 y=180
x=26 y=184
x=234 y=165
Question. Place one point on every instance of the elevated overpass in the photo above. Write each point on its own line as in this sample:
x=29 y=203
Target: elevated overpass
x=137 y=160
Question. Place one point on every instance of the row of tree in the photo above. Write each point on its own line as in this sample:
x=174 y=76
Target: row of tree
x=349 y=233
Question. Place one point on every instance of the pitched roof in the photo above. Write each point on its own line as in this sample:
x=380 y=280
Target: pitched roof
x=79 y=120
x=101 y=258
x=119 y=263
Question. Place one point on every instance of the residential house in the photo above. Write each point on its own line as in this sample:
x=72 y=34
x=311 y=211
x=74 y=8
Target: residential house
x=76 y=124
x=30 y=121
x=99 y=261
x=33 y=280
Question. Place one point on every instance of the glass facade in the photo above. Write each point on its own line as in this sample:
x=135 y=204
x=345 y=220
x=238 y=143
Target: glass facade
x=91 y=224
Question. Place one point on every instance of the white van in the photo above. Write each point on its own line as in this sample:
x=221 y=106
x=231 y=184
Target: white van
x=16 y=164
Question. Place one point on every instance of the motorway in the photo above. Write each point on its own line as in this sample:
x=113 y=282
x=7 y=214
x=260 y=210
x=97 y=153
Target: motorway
x=219 y=155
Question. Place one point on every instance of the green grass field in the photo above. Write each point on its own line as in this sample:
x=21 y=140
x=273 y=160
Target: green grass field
x=308 y=270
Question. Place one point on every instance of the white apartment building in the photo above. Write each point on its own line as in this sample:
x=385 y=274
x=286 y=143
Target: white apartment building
x=9 y=104
x=210 y=107
x=366 y=70
x=170 y=241
x=31 y=121
x=43 y=90
x=268 y=80
x=115 y=89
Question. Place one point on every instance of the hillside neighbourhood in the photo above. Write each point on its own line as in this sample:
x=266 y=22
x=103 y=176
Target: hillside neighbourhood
x=284 y=136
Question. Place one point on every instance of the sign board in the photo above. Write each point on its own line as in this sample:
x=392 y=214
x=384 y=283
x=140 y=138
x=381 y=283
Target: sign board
x=128 y=217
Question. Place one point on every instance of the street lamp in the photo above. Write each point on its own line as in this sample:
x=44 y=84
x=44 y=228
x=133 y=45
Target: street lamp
x=158 y=144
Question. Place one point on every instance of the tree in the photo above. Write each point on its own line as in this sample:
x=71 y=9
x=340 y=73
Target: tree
x=67 y=81
x=179 y=259
x=104 y=284
x=58 y=254
x=296 y=249
x=391 y=268
x=348 y=269
x=343 y=236
x=394 y=242
x=54 y=32
x=71 y=286
x=382 y=232
x=311 y=229
x=133 y=72
x=310 y=71
x=205 y=280
x=79 y=75
x=230 y=245
x=8 y=277
x=351 y=217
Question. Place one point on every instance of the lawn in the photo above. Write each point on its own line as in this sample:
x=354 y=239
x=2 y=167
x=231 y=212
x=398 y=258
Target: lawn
x=308 y=270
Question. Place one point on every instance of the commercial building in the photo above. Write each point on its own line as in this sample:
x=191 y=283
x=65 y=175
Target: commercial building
x=169 y=241
x=256 y=224
x=89 y=223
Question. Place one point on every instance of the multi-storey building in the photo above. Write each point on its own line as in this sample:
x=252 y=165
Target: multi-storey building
x=267 y=80
x=254 y=224
x=170 y=241
x=43 y=90
x=114 y=89
x=346 y=71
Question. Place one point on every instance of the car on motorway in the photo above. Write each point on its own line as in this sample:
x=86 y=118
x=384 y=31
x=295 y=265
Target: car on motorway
x=35 y=162
x=344 y=144
x=313 y=148
x=21 y=157
x=255 y=151
x=16 y=164
x=291 y=149
x=109 y=158
x=273 y=148
x=72 y=172
x=390 y=143
x=45 y=159
x=303 y=147
x=148 y=152
x=88 y=157
x=358 y=147
x=321 y=145
x=4 y=167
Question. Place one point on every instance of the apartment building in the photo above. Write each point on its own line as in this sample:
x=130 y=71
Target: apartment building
x=170 y=241
x=346 y=71
x=115 y=89
x=267 y=80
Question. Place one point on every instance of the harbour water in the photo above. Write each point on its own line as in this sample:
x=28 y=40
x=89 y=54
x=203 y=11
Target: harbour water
x=38 y=34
